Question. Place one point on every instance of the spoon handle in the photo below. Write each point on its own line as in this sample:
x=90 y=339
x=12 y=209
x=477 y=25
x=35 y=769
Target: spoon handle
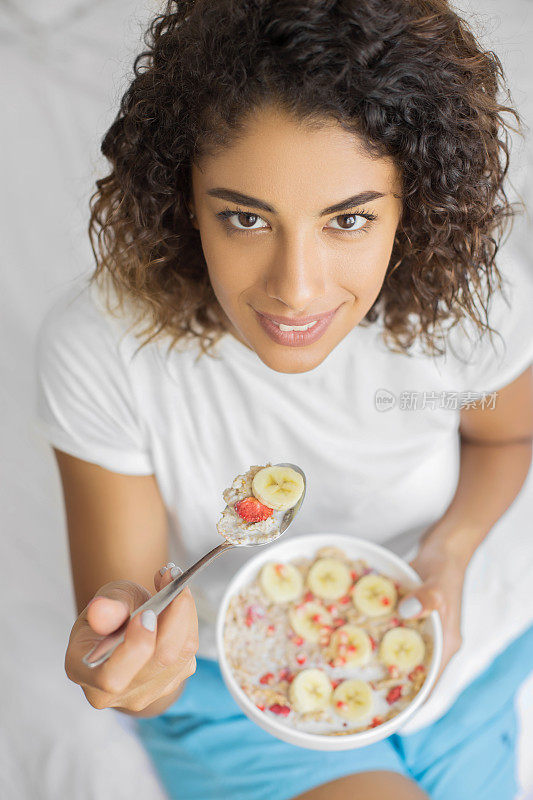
x=108 y=644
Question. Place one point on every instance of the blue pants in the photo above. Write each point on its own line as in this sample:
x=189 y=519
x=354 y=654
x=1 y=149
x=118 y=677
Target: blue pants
x=204 y=748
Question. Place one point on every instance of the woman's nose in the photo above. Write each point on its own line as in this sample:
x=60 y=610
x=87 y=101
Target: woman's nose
x=297 y=277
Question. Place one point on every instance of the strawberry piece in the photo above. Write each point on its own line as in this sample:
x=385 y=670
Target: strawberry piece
x=336 y=683
x=301 y=658
x=284 y=711
x=395 y=622
x=345 y=599
x=375 y=722
x=252 y=613
x=251 y=510
x=339 y=661
x=341 y=704
x=385 y=601
x=267 y=678
x=260 y=706
x=279 y=568
x=338 y=621
x=415 y=671
x=352 y=648
x=393 y=670
x=308 y=596
x=394 y=694
x=298 y=640
x=270 y=630
x=316 y=618
x=373 y=642
x=285 y=674
x=354 y=575
x=332 y=609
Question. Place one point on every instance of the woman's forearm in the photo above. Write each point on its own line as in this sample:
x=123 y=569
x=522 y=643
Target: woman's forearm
x=490 y=478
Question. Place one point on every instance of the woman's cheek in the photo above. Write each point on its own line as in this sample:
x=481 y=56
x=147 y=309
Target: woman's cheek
x=365 y=272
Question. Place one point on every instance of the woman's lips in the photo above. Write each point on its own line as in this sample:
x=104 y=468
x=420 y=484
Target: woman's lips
x=296 y=338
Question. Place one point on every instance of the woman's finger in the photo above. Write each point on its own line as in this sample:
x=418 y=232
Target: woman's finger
x=115 y=675
x=177 y=639
x=164 y=573
x=106 y=614
x=100 y=624
x=141 y=640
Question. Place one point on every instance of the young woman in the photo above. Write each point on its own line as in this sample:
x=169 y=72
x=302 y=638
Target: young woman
x=277 y=165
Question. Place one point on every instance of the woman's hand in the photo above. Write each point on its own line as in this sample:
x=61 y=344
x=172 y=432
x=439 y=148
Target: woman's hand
x=441 y=590
x=149 y=664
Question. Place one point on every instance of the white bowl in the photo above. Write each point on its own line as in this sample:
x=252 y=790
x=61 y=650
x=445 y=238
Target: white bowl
x=305 y=546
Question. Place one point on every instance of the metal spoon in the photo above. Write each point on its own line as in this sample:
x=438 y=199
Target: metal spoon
x=108 y=644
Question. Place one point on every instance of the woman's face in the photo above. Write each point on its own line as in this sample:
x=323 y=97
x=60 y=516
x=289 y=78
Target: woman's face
x=284 y=237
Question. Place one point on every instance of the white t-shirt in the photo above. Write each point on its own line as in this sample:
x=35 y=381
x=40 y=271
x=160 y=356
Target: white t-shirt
x=380 y=470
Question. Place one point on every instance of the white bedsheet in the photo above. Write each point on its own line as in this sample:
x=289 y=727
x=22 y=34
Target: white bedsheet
x=67 y=64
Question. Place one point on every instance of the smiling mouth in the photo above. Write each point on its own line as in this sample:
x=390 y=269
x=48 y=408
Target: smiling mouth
x=300 y=323
x=283 y=327
x=284 y=331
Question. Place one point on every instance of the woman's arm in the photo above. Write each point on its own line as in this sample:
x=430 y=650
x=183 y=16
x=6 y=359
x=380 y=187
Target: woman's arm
x=117 y=528
x=496 y=449
x=496 y=446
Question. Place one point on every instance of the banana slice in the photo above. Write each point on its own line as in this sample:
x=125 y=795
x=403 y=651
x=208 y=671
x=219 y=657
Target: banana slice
x=279 y=488
x=353 y=643
x=281 y=582
x=307 y=620
x=329 y=578
x=352 y=699
x=310 y=690
x=403 y=647
x=374 y=595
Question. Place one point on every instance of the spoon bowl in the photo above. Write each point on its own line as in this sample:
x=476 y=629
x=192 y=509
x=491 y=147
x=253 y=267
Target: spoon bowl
x=286 y=518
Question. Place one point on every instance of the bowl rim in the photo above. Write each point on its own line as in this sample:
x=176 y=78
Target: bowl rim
x=386 y=728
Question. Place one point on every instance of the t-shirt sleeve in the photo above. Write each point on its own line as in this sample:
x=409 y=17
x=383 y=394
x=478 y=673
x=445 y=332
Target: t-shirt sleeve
x=85 y=405
x=495 y=361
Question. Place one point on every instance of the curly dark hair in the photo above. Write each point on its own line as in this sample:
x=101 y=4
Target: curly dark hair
x=407 y=76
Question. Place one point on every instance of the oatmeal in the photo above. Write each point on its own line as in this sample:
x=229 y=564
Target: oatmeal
x=256 y=503
x=317 y=642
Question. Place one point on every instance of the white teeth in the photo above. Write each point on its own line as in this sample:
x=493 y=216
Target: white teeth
x=283 y=327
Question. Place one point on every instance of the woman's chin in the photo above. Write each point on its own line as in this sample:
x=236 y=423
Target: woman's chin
x=283 y=358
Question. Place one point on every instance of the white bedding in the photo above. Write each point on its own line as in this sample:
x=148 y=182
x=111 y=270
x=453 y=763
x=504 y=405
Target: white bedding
x=67 y=64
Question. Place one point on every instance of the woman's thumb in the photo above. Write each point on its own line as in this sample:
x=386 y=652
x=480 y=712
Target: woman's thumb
x=421 y=602
x=113 y=605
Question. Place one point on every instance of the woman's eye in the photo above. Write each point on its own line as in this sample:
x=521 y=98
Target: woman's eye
x=353 y=222
x=246 y=219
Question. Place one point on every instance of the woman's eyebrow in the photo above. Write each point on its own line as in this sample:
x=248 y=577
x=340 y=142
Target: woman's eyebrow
x=253 y=202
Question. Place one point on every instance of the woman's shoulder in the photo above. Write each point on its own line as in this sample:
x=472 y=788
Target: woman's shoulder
x=79 y=307
x=86 y=404
x=85 y=317
x=86 y=330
